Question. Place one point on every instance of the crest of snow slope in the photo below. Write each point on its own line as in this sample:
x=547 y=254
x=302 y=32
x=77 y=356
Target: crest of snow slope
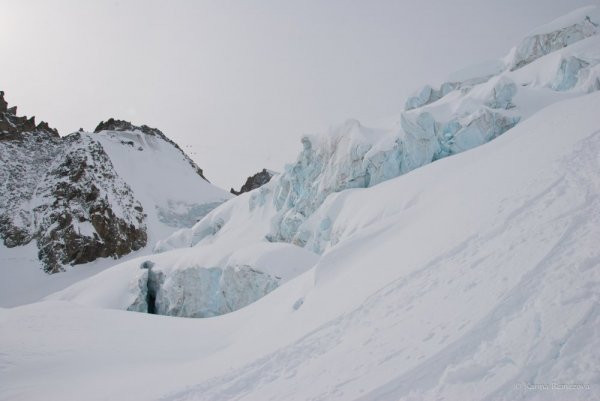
x=460 y=280
x=436 y=123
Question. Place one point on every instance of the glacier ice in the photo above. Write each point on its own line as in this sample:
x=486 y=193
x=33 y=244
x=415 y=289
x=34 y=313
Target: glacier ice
x=203 y=281
x=429 y=95
x=567 y=30
x=201 y=291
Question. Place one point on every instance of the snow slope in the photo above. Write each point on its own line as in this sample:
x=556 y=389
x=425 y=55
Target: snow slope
x=475 y=277
x=162 y=177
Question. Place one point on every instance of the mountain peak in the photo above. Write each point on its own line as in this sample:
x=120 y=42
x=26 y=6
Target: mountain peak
x=125 y=126
x=121 y=125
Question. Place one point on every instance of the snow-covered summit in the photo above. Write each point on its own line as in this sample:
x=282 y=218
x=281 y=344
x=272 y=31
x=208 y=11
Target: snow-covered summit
x=169 y=185
x=125 y=126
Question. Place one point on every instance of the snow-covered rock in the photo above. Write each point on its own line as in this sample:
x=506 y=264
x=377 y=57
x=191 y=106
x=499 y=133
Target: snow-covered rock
x=256 y=181
x=87 y=196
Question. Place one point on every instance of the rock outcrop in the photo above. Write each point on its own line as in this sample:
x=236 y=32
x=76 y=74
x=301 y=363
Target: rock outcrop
x=256 y=181
x=13 y=127
x=64 y=194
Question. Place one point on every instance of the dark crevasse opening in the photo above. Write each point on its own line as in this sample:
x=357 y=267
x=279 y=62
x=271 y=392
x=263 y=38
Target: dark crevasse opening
x=155 y=280
x=153 y=284
x=151 y=301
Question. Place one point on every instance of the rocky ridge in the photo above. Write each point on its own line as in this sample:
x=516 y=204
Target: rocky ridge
x=64 y=194
x=68 y=196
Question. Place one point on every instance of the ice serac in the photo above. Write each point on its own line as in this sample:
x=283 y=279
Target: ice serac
x=560 y=33
x=195 y=282
x=87 y=196
x=472 y=108
x=199 y=292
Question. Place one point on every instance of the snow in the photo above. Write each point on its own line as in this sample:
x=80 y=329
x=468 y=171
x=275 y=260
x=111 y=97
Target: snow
x=463 y=279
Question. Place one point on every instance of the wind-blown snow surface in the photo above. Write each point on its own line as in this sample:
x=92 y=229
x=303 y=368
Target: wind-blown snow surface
x=461 y=280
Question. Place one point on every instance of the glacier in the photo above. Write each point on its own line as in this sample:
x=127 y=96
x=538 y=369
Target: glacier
x=301 y=206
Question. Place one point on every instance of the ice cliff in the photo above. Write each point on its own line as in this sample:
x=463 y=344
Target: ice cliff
x=193 y=282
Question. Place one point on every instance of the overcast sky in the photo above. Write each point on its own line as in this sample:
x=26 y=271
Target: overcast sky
x=237 y=83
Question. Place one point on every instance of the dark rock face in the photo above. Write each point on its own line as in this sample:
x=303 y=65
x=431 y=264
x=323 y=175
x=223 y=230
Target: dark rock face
x=119 y=125
x=256 y=181
x=80 y=212
x=64 y=194
x=13 y=127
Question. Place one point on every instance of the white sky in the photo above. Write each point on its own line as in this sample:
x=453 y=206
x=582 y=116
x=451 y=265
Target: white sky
x=236 y=83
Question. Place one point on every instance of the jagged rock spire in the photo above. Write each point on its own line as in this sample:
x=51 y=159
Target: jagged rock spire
x=3 y=104
x=12 y=127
